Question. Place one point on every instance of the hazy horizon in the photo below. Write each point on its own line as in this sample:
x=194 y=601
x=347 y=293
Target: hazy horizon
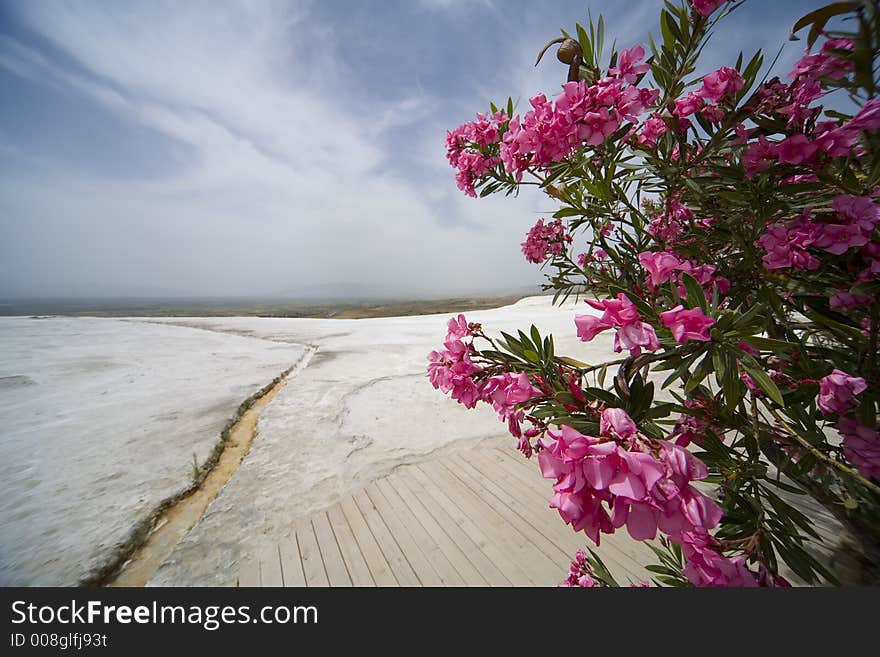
x=269 y=149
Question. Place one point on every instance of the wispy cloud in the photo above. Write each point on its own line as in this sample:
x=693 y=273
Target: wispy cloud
x=299 y=144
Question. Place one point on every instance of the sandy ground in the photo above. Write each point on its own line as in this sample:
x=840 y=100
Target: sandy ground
x=100 y=420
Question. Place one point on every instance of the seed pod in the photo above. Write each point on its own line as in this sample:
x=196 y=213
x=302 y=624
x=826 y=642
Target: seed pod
x=568 y=51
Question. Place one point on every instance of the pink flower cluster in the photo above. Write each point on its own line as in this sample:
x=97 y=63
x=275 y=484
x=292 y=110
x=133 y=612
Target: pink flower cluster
x=664 y=266
x=706 y=7
x=837 y=392
x=667 y=226
x=467 y=149
x=451 y=369
x=645 y=487
x=786 y=245
x=579 y=574
x=453 y=372
x=544 y=240
x=602 y=484
x=829 y=138
x=581 y=114
x=706 y=566
x=861 y=446
x=723 y=84
x=824 y=64
x=855 y=219
x=504 y=392
x=619 y=313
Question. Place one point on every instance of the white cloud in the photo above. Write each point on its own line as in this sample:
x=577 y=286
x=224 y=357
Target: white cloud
x=289 y=179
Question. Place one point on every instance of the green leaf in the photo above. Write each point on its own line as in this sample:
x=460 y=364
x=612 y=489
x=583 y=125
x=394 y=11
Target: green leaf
x=573 y=362
x=764 y=382
x=536 y=337
x=700 y=373
x=767 y=344
x=821 y=16
x=695 y=295
x=584 y=41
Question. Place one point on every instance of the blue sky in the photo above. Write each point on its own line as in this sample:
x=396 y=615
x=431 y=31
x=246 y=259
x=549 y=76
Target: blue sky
x=265 y=148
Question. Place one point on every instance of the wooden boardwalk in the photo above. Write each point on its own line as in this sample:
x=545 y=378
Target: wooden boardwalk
x=475 y=517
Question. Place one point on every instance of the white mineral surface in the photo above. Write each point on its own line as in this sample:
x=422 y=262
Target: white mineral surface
x=362 y=406
x=99 y=421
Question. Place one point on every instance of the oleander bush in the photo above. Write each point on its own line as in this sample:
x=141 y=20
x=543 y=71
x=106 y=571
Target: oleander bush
x=725 y=228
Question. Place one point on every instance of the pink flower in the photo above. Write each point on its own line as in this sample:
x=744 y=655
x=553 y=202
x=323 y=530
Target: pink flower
x=757 y=155
x=706 y=7
x=834 y=140
x=628 y=68
x=705 y=276
x=471 y=167
x=845 y=301
x=837 y=392
x=616 y=422
x=861 y=447
x=838 y=239
x=661 y=266
x=589 y=326
x=507 y=390
x=796 y=149
x=458 y=328
x=668 y=225
x=687 y=324
x=688 y=428
x=690 y=104
x=635 y=336
x=579 y=503
x=467 y=147
x=713 y=113
x=653 y=129
x=706 y=566
x=620 y=313
x=868 y=118
x=787 y=244
x=724 y=82
x=597 y=127
x=861 y=211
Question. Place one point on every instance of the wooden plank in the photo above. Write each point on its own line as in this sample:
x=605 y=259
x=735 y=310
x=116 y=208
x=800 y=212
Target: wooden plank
x=533 y=562
x=486 y=570
x=310 y=553
x=469 y=574
x=442 y=566
x=337 y=573
x=417 y=559
x=532 y=507
x=401 y=568
x=621 y=551
x=506 y=505
x=467 y=518
x=270 y=567
x=351 y=551
x=291 y=564
x=249 y=572
x=376 y=562
x=636 y=552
